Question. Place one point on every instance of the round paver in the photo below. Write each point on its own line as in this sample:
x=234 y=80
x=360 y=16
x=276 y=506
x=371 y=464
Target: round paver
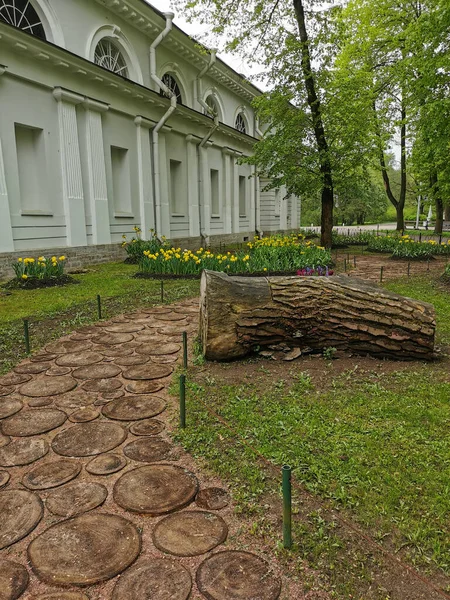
x=144 y=387
x=4 y=478
x=173 y=330
x=5 y=390
x=43 y=357
x=14 y=379
x=111 y=339
x=129 y=361
x=80 y=337
x=57 y=371
x=88 y=439
x=33 y=421
x=13 y=580
x=156 y=310
x=78 y=399
x=9 y=406
x=48 y=386
x=147 y=427
x=66 y=346
x=40 y=402
x=84 y=415
x=148 y=449
x=50 y=475
x=158 y=349
x=188 y=310
x=21 y=511
x=113 y=395
x=4 y=440
x=32 y=368
x=22 y=452
x=148 y=371
x=189 y=533
x=213 y=498
x=155 y=578
x=85 y=550
x=164 y=359
x=233 y=575
x=124 y=328
x=76 y=498
x=101 y=385
x=106 y=464
x=172 y=316
x=101 y=401
x=79 y=359
x=115 y=351
x=134 y=408
x=62 y=596
x=149 y=338
x=155 y=489
x=98 y=371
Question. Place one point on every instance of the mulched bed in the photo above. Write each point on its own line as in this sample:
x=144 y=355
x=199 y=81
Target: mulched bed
x=33 y=283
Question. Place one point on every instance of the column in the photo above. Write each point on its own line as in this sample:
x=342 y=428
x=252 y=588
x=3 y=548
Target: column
x=73 y=197
x=252 y=203
x=227 y=190
x=258 y=203
x=205 y=191
x=6 y=237
x=96 y=188
x=164 y=187
x=235 y=196
x=193 y=190
x=146 y=204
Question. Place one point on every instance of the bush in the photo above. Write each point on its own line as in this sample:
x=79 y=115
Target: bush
x=407 y=247
x=358 y=239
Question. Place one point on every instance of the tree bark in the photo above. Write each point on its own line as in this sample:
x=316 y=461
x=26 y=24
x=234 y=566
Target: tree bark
x=239 y=314
x=439 y=205
x=319 y=130
x=447 y=213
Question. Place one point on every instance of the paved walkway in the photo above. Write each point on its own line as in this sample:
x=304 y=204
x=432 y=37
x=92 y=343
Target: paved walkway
x=95 y=500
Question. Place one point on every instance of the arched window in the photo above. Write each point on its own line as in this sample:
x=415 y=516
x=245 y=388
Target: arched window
x=170 y=82
x=211 y=102
x=240 y=124
x=108 y=55
x=22 y=14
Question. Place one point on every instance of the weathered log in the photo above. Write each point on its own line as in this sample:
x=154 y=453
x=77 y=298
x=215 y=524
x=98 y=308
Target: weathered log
x=239 y=314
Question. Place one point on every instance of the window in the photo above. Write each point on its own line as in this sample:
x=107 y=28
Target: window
x=242 y=196
x=109 y=56
x=211 y=102
x=30 y=150
x=277 y=203
x=170 y=82
x=21 y=14
x=177 y=193
x=121 y=181
x=215 y=208
x=240 y=124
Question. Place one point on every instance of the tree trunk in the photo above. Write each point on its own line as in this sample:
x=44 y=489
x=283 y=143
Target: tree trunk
x=239 y=314
x=439 y=216
x=447 y=213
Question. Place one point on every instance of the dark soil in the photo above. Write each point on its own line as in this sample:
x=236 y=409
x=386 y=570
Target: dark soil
x=33 y=283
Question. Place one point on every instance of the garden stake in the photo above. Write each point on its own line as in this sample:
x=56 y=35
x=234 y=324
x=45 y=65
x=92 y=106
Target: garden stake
x=440 y=239
x=428 y=264
x=409 y=267
x=420 y=236
x=381 y=274
x=27 y=336
x=287 y=507
x=185 y=351
x=162 y=290
x=182 y=401
x=345 y=264
x=354 y=261
x=99 y=306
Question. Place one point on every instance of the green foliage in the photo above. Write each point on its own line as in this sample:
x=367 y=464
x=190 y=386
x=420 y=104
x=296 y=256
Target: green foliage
x=329 y=353
x=357 y=239
x=43 y=269
x=137 y=246
x=407 y=247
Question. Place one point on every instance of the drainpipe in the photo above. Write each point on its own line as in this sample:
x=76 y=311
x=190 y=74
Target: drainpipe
x=201 y=148
x=258 y=229
x=155 y=132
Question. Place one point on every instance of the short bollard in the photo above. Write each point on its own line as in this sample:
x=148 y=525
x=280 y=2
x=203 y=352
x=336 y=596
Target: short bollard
x=381 y=274
x=162 y=291
x=409 y=268
x=99 y=306
x=287 y=507
x=345 y=265
x=354 y=261
x=182 y=401
x=26 y=334
x=185 y=350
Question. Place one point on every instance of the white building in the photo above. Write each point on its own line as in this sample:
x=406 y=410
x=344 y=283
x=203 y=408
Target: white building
x=90 y=147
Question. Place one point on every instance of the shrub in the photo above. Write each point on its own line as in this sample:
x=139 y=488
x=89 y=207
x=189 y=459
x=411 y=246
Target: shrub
x=137 y=246
x=41 y=268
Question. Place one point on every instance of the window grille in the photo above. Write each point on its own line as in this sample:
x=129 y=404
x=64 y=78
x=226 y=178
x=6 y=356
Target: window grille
x=21 y=14
x=170 y=82
x=109 y=56
x=240 y=124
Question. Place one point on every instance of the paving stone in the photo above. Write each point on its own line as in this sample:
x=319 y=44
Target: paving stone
x=212 y=498
x=88 y=439
x=13 y=580
x=134 y=408
x=23 y=452
x=106 y=464
x=48 y=386
x=148 y=449
x=79 y=359
x=98 y=371
x=21 y=511
x=76 y=498
x=9 y=407
x=148 y=371
x=33 y=421
x=147 y=427
x=144 y=387
x=52 y=474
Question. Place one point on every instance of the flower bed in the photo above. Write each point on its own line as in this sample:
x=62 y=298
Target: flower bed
x=277 y=254
x=32 y=272
x=137 y=246
x=361 y=238
x=405 y=247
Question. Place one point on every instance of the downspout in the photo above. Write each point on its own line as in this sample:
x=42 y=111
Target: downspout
x=155 y=132
x=258 y=229
x=204 y=227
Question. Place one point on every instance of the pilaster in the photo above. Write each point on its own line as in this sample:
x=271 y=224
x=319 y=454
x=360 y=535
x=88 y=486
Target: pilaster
x=235 y=196
x=227 y=190
x=145 y=183
x=252 y=203
x=73 y=197
x=164 y=228
x=6 y=237
x=205 y=191
x=193 y=190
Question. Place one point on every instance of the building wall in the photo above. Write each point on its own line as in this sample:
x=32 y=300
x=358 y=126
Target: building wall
x=77 y=152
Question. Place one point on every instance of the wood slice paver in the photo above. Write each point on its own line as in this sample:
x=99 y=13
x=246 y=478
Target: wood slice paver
x=14 y=379
x=5 y=390
x=129 y=361
x=189 y=533
x=172 y=316
x=48 y=386
x=33 y=421
x=43 y=357
x=57 y=371
x=98 y=371
x=13 y=580
x=32 y=368
x=101 y=385
x=78 y=399
x=88 y=439
x=21 y=511
x=115 y=351
x=134 y=408
x=76 y=498
x=106 y=464
x=233 y=575
x=148 y=449
x=111 y=339
x=144 y=387
x=4 y=479
x=124 y=328
x=84 y=415
x=9 y=407
x=79 y=359
x=62 y=596
x=39 y=402
x=155 y=489
x=164 y=359
x=4 y=440
x=158 y=349
x=84 y=550
x=148 y=371
x=155 y=578
x=213 y=498
x=147 y=427
x=50 y=475
x=113 y=395
x=67 y=346
x=23 y=452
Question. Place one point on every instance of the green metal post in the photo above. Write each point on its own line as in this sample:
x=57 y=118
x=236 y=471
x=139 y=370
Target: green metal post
x=162 y=291
x=381 y=274
x=99 y=306
x=182 y=401
x=409 y=268
x=26 y=333
x=345 y=264
x=354 y=261
x=287 y=507
x=185 y=350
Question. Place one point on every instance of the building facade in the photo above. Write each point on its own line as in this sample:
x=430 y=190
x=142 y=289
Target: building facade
x=113 y=118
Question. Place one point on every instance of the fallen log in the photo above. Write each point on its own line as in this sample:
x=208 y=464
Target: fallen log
x=241 y=314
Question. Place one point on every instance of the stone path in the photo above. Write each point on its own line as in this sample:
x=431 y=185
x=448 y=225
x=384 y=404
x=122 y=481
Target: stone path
x=95 y=500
